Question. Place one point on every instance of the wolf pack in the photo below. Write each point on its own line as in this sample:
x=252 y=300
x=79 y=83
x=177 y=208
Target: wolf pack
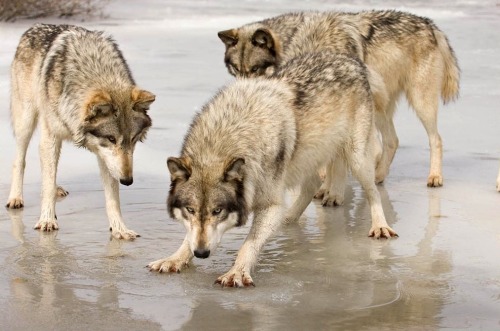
x=313 y=101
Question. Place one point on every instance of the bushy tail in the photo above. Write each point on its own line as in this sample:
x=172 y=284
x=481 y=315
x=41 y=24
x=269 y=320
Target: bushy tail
x=451 y=82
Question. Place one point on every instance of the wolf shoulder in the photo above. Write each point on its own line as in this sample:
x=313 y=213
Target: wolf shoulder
x=246 y=109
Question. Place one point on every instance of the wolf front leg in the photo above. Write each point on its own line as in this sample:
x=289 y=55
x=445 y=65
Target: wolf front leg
x=50 y=149
x=112 y=195
x=265 y=223
x=176 y=262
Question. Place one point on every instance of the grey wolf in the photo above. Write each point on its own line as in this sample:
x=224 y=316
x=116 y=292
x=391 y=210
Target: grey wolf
x=77 y=86
x=411 y=55
x=259 y=137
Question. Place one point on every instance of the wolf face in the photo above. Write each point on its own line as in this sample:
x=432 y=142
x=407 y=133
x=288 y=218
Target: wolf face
x=112 y=127
x=250 y=53
x=208 y=200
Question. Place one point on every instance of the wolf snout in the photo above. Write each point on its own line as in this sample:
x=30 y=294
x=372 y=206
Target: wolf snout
x=202 y=253
x=127 y=181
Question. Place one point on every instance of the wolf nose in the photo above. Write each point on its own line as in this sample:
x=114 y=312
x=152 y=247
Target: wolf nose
x=202 y=253
x=127 y=181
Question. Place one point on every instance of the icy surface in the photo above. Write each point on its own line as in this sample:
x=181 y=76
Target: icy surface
x=443 y=272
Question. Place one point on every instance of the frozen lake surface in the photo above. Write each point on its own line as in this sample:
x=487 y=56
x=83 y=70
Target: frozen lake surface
x=324 y=273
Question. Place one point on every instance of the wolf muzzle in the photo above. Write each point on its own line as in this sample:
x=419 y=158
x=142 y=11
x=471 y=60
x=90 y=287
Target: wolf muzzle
x=202 y=253
x=127 y=181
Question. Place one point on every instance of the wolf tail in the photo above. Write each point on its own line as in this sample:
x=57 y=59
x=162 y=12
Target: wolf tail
x=451 y=82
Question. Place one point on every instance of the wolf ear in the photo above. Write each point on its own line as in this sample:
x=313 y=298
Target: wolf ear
x=234 y=171
x=228 y=37
x=98 y=104
x=179 y=168
x=142 y=99
x=263 y=38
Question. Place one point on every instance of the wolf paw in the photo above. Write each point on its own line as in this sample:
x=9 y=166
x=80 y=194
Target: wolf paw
x=235 y=278
x=435 y=181
x=378 y=232
x=379 y=179
x=320 y=194
x=61 y=192
x=168 y=265
x=381 y=173
x=124 y=234
x=46 y=225
x=15 y=203
x=332 y=200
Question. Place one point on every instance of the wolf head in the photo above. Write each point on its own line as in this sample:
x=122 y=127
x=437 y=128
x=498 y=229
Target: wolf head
x=209 y=200
x=250 y=51
x=113 y=123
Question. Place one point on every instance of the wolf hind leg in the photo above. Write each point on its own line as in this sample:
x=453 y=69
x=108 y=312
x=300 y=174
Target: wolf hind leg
x=390 y=141
x=362 y=167
x=423 y=96
x=427 y=113
x=308 y=188
x=337 y=177
x=323 y=174
x=24 y=121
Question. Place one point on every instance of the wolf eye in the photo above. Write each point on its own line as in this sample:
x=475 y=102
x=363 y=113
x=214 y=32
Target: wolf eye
x=255 y=69
x=190 y=210
x=216 y=211
x=111 y=139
